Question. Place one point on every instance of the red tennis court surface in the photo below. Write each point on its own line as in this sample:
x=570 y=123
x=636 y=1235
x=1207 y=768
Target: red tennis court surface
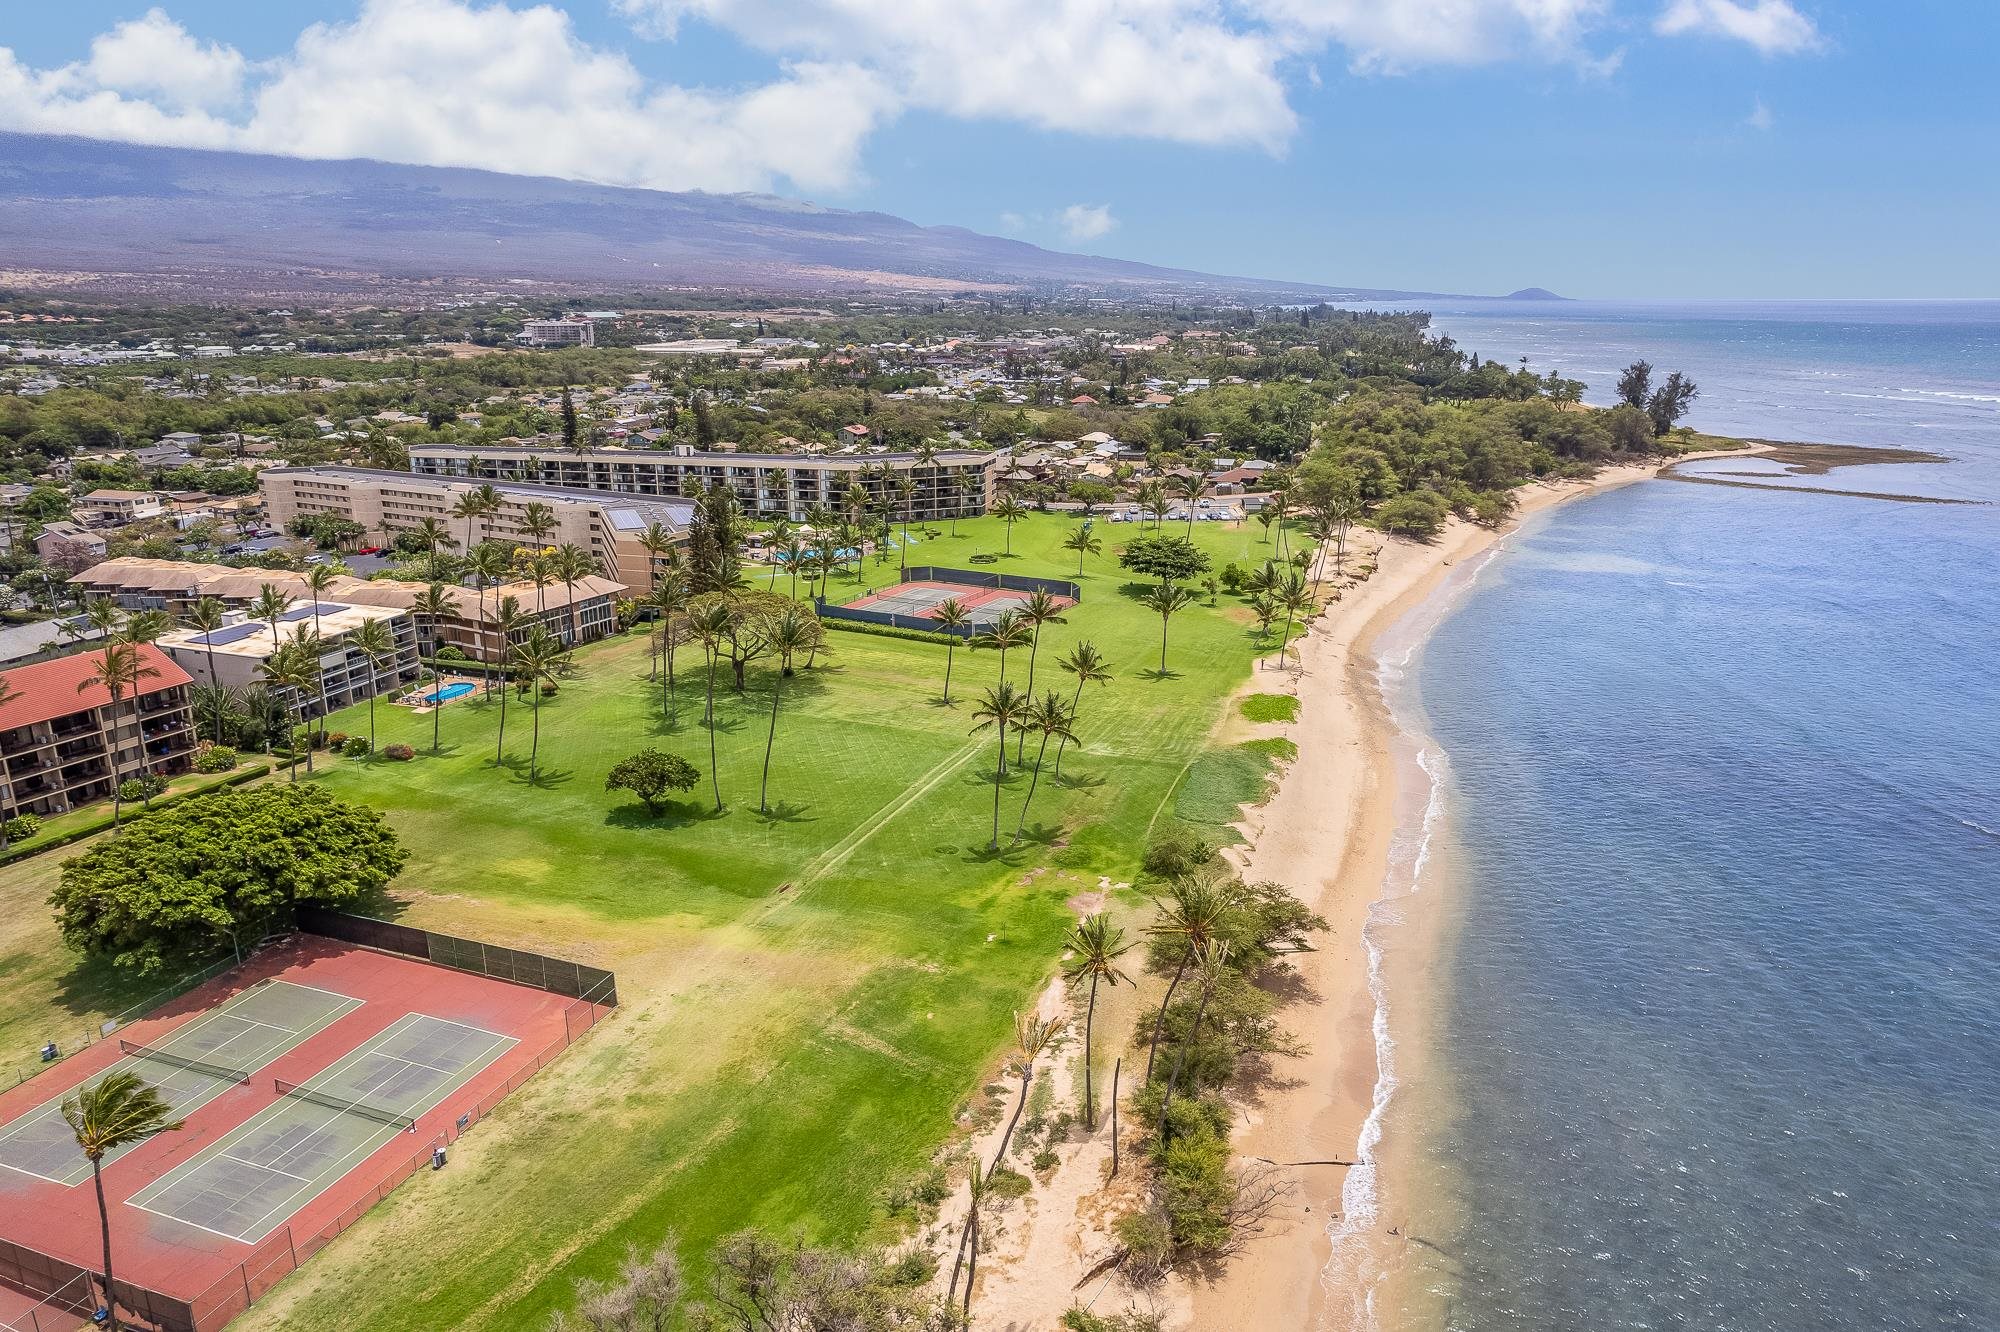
x=919 y=599
x=312 y=1080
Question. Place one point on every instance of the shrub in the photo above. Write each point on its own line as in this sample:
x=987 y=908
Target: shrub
x=1046 y=1160
x=1006 y=1183
x=1271 y=707
x=1149 y=1244
x=142 y=789
x=1420 y=513
x=548 y=689
x=23 y=825
x=210 y=757
x=650 y=774
x=400 y=753
x=451 y=653
x=1174 y=852
x=356 y=746
x=335 y=739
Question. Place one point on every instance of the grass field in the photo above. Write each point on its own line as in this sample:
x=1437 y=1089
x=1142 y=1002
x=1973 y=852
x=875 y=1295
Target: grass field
x=810 y=998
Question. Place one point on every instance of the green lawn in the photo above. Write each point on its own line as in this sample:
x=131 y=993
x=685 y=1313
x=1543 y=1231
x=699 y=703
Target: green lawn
x=810 y=998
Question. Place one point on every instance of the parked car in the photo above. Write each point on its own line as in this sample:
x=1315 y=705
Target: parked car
x=369 y=550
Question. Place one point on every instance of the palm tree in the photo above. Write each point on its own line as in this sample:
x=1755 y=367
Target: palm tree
x=1167 y=601
x=508 y=617
x=827 y=560
x=1010 y=511
x=1083 y=543
x=208 y=615
x=1192 y=488
x=794 y=552
x=489 y=566
x=1296 y=598
x=1190 y=919
x=376 y=645
x=294 y=667
x=1050 y=718
x=1040 y=610
x=571 y=565
x=541 y=571
x=147 y=626
x=470 y=507
x=1008 y=630
x=952 y=616
x=319 y=579
x=968 y=1238
x=536 y=659
x=436 y=604
x=120 y=667
x=1212 y=964
x=1097 y=944
x=101 y=616
x=270 y=606
x=1003 y=706
x=117 y=1111
x=966 y=483
x=1152 y=497
x=793 y=632
x=433 y=534
x=1089 y=667
x=711 y=622
x=1034 y=1036
x=656 y=540
x=670 y=598
x=7 y=695
x=538 y=523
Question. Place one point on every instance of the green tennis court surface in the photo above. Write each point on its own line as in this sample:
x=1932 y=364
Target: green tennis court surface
x=258 y=1176
x=190 y=1066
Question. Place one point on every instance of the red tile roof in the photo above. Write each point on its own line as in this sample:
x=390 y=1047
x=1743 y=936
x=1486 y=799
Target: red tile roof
x=51 y=689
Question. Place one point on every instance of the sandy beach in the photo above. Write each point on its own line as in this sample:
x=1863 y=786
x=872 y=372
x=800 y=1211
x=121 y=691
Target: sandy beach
x=1327 y=833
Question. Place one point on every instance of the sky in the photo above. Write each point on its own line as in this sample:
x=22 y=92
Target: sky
x=1611 y=149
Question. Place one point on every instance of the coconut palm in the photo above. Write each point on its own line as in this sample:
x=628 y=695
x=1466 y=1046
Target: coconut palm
x=670 y=598
x=1192 y=917
x=147 y=626
x=101 y=618
x=470 y=507
x=319 y=580
x=489 y=566
x=571 y=565
x=207 y=616
x=1191 y=487
x=1008 y=630
x=1010 y=511
x=1097 y=945
x=711 y=622
x=294 y=669
x=538 y=523
x=1004 y=706
x=1089 y=667
x=1033 y=1036
x=1049 y=718
x=120 y=668
x=117 y=1111
x=795 y=553
x=952 y=616
x=376 y=644
x=795 y=630
x=968 y=1239
x=536 y=660
x=436 y=604
x=1083 y=543
x=657 y=540
x=1296 y=598
x=270 y=606
x=433 y=534
x=541 y=571
x=1167 y=601
x=1212 y=967
x=1152 y=497
x=826 y=560
x=508 y=618
x=967 y=482
x=1040 y=609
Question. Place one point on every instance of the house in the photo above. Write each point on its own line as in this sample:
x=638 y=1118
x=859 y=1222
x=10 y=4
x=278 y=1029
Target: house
x=66 y=545
x=115 y=508
x=64 y=742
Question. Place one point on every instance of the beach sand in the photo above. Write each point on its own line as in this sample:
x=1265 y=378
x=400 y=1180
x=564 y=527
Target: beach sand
x=1327 y=833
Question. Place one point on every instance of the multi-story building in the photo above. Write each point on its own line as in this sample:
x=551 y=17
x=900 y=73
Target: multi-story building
x=608 y=526
x=64 y=743
x=559 y=333
x=234 y=655
x=114 y=508
x=952 y=484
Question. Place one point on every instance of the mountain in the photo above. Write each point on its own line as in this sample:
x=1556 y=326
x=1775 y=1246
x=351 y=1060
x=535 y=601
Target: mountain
x=1533 y=294
x=182 y=223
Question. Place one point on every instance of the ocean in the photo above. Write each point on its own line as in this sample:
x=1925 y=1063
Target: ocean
x=1704 y=1028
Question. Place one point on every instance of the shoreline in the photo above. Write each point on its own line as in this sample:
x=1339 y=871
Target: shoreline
x=1330 y=832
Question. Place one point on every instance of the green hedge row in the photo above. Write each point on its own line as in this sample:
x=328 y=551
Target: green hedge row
x=21 y=851
x=891 y=631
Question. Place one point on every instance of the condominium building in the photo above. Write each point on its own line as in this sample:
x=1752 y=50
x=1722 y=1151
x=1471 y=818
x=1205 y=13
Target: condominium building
x=952 y=484
x=64 y=743
x=608 y=526
x=559 y=333
x=235 y=654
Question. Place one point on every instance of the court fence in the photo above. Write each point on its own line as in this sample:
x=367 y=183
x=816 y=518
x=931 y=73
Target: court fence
x=1055 y=587
x=913 y=623
x=557 y=975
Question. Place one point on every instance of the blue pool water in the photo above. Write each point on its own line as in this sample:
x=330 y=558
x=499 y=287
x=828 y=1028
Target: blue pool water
x=449 y=692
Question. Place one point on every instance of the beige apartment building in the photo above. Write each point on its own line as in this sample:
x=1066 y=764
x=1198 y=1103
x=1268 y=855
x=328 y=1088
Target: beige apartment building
x=234 y=655
x=954 y=484
x=63 y=743
x=608 y=526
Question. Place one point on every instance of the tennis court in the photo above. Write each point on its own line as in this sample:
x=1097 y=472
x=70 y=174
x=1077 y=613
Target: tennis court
x=918 y=600
x=191 y=1066
x=255 y=1178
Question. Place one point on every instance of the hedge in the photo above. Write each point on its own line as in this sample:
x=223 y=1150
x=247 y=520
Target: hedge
x=890 y=631
x=83 y=830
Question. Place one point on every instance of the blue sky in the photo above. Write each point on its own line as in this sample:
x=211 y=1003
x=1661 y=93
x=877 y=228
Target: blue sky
x=1608 y=148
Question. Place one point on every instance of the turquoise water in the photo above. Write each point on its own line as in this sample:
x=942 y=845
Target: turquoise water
x=449 y=692
x=1717 y=1042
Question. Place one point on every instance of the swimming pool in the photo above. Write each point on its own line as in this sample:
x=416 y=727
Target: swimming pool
x=449 y=692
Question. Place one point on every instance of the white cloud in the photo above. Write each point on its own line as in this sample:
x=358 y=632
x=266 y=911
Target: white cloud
x=453 y=83
x=1084 y=222
x=1774 y=27
x=1760 y=117
x=1389 y=36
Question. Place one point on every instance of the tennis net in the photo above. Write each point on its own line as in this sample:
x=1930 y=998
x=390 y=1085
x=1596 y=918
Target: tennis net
x=222 y=1072
x=392 y=1118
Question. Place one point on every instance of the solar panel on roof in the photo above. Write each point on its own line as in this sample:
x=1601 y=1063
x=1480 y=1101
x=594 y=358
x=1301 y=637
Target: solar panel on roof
x=235 y=633
x=626 y=520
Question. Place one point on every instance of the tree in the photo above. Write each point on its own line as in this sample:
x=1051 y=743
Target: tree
x=319 y=580
x=1152 y=497
x=795 y=630
x=489 y=566
x=1169 y=559
x=233 y=863
x=1010 y=511
x=1032 y=1036
x=433 y=534
x=1004 y=706
x=376 y=644
x=1096 y=945
x=1212 y=966
x=537 y=658
x=571 y=564
x=1194 y=914
x=1008 y=630
x=538 y=524
x=650 y=774
x=1083 y=542
x=568 y=419
x=1040 y=609
x=1167 y=601
x=120 y=668
x=294 y=668
x=118 y=1111
x=1192 y=486
x=270 y=606
x=1088 y=666
x=208 y=615
x=670 y=599
x=437 y=605
x=1635 y=385
x=1670 y=402
x=952 y=615
x=1296 y=598
x=508 y=619
x=1418 y=514
x=711 y=622
x=1050 y=718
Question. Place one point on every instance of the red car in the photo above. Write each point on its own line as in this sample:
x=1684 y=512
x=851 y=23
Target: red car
x=369 y=550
